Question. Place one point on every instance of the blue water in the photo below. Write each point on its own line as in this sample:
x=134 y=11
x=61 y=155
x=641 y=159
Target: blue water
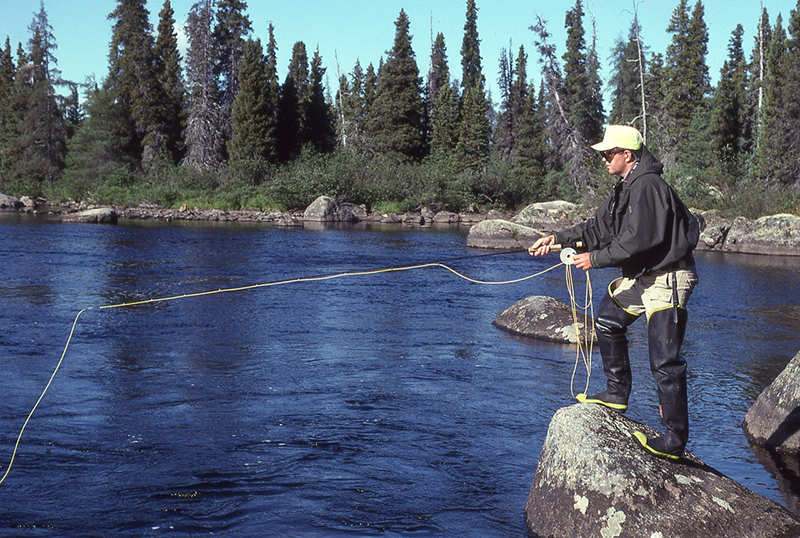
x=383 y=405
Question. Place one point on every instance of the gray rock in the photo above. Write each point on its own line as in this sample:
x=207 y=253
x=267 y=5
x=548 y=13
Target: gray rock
x=714 y=229
x=594 y=479
x=327 y=209
x=471 y=218
x=100 y=215
x=551 y=216
x=9 y=202
x=774 y=419
x=501 y=234
x=775 y=234
x=446 y=217
x=543 y=318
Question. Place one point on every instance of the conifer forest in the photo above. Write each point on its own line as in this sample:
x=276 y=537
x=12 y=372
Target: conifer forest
x=215 y=127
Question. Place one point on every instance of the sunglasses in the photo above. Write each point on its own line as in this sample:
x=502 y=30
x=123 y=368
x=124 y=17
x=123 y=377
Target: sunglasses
x=609 y=154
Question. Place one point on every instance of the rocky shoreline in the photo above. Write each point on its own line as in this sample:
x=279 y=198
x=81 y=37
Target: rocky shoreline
x=770 y=235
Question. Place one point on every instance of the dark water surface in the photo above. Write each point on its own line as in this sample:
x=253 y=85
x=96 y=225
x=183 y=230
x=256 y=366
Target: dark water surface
x=384 y=405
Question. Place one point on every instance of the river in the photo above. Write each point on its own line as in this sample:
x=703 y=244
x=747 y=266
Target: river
x=381 y=405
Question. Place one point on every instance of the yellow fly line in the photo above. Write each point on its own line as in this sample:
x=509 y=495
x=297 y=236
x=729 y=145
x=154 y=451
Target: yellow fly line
x=581 y=354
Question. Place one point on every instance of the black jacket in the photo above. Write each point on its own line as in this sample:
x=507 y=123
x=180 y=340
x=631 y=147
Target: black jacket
x=641 y=227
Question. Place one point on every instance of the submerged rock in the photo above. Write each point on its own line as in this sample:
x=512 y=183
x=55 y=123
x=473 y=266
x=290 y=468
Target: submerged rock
x=543 y=318
x=774 y=419
x=501 y=234
x=594 y=479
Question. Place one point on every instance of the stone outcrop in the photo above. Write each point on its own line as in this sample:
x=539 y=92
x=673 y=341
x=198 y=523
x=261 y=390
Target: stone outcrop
x=327 y=209
x=774 y=419
x=776 y=234
x=714 y=230
x=100 y=215
x=501 y=234
x=594 y=479
x=550 y=216
x=9 y=202
x=543 y=318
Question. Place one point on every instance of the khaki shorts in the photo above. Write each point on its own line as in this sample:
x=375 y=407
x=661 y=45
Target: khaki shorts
x=654 y=291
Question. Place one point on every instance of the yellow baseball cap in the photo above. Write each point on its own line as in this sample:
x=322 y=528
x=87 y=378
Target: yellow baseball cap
x=620 y=136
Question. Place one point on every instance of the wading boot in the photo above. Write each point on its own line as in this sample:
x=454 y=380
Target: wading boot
x=666 y=329
x=612 y=324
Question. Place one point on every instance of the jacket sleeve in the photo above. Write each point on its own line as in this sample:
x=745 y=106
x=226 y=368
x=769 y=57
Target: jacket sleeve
x=595 y=232
x=645 y=227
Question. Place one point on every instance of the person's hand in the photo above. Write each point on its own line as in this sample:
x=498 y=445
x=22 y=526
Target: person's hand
x=542 y=245
x=582 y=261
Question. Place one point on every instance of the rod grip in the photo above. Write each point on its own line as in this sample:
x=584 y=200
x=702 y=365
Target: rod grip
x=576 y=245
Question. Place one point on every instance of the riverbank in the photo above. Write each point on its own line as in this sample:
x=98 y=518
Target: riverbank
x=769 y=235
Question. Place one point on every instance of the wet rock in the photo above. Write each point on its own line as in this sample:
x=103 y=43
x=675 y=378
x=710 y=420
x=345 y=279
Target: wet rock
x=501 y=234
x=9 y=202
x=551 y=216
x=543 y=318
x=774 y=419
x=775 y=234
x=413 y=219
x=327 y=209
x=594 y=479
x=713 y=230
x=287 y=220
x=100 y=215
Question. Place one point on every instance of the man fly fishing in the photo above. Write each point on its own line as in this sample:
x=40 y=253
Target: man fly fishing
x=644 y=229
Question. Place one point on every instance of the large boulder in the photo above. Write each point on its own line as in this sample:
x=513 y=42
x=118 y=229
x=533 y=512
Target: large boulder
x=774 y=419
x=9 y=202
x=775 y=234
x=100 y=215
x=594 y=479
x=714 y=229
x=501 y=234
x=543 y=318
x=550 y=216
x=327 y=209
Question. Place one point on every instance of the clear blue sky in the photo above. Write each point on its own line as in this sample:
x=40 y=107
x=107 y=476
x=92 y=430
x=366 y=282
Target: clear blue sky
x=364 y=29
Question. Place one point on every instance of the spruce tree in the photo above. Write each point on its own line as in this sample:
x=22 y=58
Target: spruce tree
x=293 y=104
x=170 y=77
x=132 y=78
x=274 y=95
x=729 y=106
x=626 y=106
x=475 y=133
x=530 y=147
x=439 y=74
x=231 y=29
x=93 y=152
x=445 y=122
x=769 y=163
x=791 y=107
x=687 y=82
x=581 y=78
x=250 y=118
x=318 y=129
x=35 y=136
x=569 y=147
x=396 y=114
x=203 y=134
x=503 y=134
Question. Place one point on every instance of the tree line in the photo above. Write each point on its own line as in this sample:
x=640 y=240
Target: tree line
x=218 y=127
